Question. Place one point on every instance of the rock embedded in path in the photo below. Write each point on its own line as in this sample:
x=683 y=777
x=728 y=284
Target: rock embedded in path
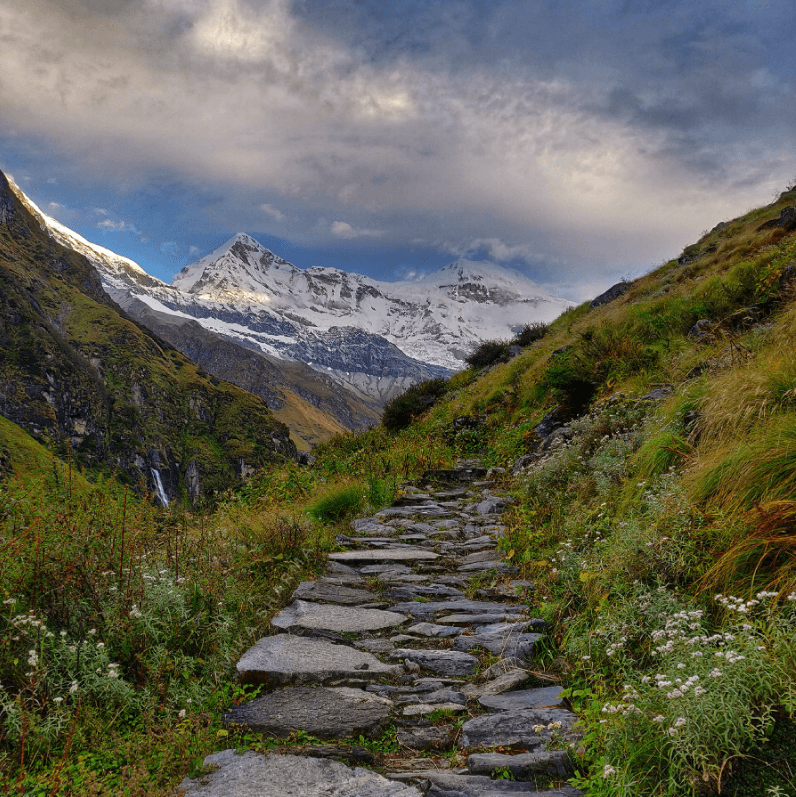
x=409 y=553
x=526 y=728
x=326 y=713
x=456 y=605
x=444 y=662
x=434 y=737
x=256 y=775
x=545 y=697
x=344 y=619
x=500 y=643
x=505 y=682
x=434 y=630
x=445 y=784
x=522 y=766
x=329 y=593
x=287 y=659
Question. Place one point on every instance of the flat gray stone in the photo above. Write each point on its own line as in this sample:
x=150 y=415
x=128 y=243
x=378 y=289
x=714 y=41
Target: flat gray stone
x=398 y=577
x=371 y=527
x=491 y=506
x=329 y=593
x=410 y=592
x=377 y=645
x=421 y=709
x=456 y=605
x=480 y=556
x=522 y=766
x=444 y=784
x=443 y=695
x=545 y=697
x=255 y=775
x=325 y=713
x=504 y=682
x=525 y=727
x=345 y=619
x=287 y=659
x=444 y=662
x=390 y=569
x=477 y=619
x=484 y=567
x=435 y=737
x=408 y=554
x=434 y=630
x=503 y=644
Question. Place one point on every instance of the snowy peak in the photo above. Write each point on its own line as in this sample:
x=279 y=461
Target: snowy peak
x=240 y=269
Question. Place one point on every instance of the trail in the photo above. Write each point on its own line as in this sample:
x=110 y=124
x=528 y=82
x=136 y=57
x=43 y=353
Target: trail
x=388 y=636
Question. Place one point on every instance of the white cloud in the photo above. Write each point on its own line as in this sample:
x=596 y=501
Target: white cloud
x=108 y=225
x=194 y=250
x=342 y=229
x=273 y=212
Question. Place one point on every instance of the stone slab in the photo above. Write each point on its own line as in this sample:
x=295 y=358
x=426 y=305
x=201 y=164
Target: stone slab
x=456 y=605
x=444 y=662
x=545 y=697
x=478 y=619
x=344 y=619
x=434 y=630
x=325 y=713
x=421 y=709
x=522 y=766
x=503 y=644
x=434 y=737
x=410 y=592
x=385 y=555
x=287 y=659
x=526 y=727
x=329 y=593
x=439 y=695
x=444 y=784
x=504 y=682
x=487 y=566
x=255 y=775
x=480 y=556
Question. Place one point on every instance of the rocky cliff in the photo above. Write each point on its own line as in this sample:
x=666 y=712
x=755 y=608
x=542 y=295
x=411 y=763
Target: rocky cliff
x=78 y=373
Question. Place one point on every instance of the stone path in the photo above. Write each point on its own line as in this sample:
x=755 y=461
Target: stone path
x=398 y=632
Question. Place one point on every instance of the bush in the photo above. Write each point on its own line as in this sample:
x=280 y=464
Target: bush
x=530 y=333
x=335 y=506
x=488 y=353
x=401 y=410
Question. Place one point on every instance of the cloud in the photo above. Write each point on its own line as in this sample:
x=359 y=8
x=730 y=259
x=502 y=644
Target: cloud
x=342 y=229
x=108 y=225
x=273 y=212
x=193 y=250
x=567 y=135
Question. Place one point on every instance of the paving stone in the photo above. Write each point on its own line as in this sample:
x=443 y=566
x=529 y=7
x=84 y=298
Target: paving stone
x=497 y=686
x=519 y=645
x=256 y=775
x=434 y=737
x=505 y=665
x=371 y=526
x=522 y=766
x=444 y=695
x=445 y=662
x=434 y=630
x=444 y=784
x=544 y=697
x=447 y=524
x=348 y=619
x=394 y=568
x=343 y=580
x=485 y=567
x=329 y=593
x=339 y=569
x=409 y=593
x=424 y=528
x=396 y=577
x=478 y=619
x=422 y=709
x=385 y=555
x=325 y=713
x=288 y=659
x=455 y=605
x=479 y=556
x=525 y=727
x=478 y=542
x=399 y=638
x=374 y=645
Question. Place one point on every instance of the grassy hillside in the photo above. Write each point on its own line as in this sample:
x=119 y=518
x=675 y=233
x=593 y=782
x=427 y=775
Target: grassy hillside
x=655 y=514
x=76 y=373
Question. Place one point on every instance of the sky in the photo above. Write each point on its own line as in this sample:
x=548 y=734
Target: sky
x=580 y=142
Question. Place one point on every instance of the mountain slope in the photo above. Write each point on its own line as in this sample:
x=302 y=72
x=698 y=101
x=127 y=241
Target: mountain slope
x=76 y=371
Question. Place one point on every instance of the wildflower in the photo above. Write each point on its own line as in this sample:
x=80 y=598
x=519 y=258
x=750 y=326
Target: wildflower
x=608 y=770
x=73 y=688
x=679 y=722
x=92 y=631
x=58 y=700
x=33 y=658
x=715 y=673
x=538 y=728
x=181 y=715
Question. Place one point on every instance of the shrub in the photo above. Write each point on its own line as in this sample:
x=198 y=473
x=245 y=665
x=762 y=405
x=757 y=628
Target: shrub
x=530 y=333
x=401 y=410
x=488 y=353
x=337 y=505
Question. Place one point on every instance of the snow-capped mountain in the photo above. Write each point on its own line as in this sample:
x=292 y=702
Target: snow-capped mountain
x=374 y=337
x=436 y=319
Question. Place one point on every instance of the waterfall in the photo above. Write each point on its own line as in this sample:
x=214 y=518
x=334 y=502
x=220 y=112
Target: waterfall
x=159 y=491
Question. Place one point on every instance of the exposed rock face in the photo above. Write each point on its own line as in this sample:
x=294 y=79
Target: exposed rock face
x=785 y=221
x=614 y=292
x=74 y=369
